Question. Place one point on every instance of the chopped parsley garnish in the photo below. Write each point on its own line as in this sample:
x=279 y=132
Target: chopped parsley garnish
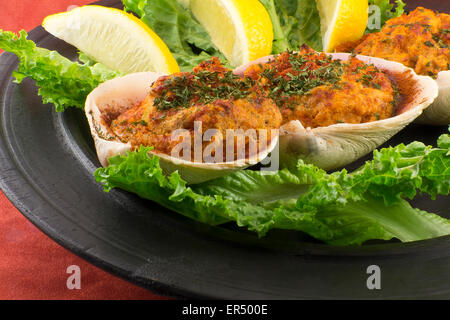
x=376 y=85
x=289 y=75
x=203 y=87
x=368 y=79
x=301 y=79
x=141 y=123
x=439 y=41
x=160 y=118
x=427 y=27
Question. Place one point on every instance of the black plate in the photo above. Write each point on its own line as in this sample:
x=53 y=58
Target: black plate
x=47 y=161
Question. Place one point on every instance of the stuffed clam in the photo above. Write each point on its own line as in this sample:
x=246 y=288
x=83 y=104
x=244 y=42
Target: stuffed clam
x=339 y=107
x=187 y=118
x=328 y=110
x=419 y=40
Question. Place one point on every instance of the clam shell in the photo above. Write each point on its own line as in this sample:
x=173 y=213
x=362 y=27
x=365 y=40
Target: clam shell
x=439 y=112
x=115 y=96
x=338 y=145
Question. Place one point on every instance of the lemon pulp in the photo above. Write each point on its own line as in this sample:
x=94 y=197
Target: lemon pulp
x=114 y=38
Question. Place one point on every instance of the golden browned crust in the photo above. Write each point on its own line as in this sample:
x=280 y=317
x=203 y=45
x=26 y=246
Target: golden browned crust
x=342 y=92
x=306 y=86
x=152 y=124
x=419 y=40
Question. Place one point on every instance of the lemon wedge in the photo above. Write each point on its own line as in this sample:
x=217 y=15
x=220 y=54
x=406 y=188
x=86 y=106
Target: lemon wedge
x=342 y=21
x=114 y=38
x=241 y=29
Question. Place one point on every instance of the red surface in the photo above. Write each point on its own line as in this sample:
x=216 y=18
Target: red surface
x=32 y=266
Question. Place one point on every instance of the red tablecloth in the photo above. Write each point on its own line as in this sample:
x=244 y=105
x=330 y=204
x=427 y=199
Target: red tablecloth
x=32 y=266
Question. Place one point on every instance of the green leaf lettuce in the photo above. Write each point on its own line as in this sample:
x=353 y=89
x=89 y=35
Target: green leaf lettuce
x=340 y=208
x=62 y=82
x=295 y=22
x=175 y=25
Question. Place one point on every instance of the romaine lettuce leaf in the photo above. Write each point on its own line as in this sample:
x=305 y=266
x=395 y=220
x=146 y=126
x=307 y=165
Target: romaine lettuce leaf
x=295 y=22
x=62 y=82
x=141 y=174
x=186 y=38
x=340 y=208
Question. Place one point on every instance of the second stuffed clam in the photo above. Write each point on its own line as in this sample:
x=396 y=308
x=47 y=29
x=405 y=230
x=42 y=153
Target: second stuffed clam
x=347 y=128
